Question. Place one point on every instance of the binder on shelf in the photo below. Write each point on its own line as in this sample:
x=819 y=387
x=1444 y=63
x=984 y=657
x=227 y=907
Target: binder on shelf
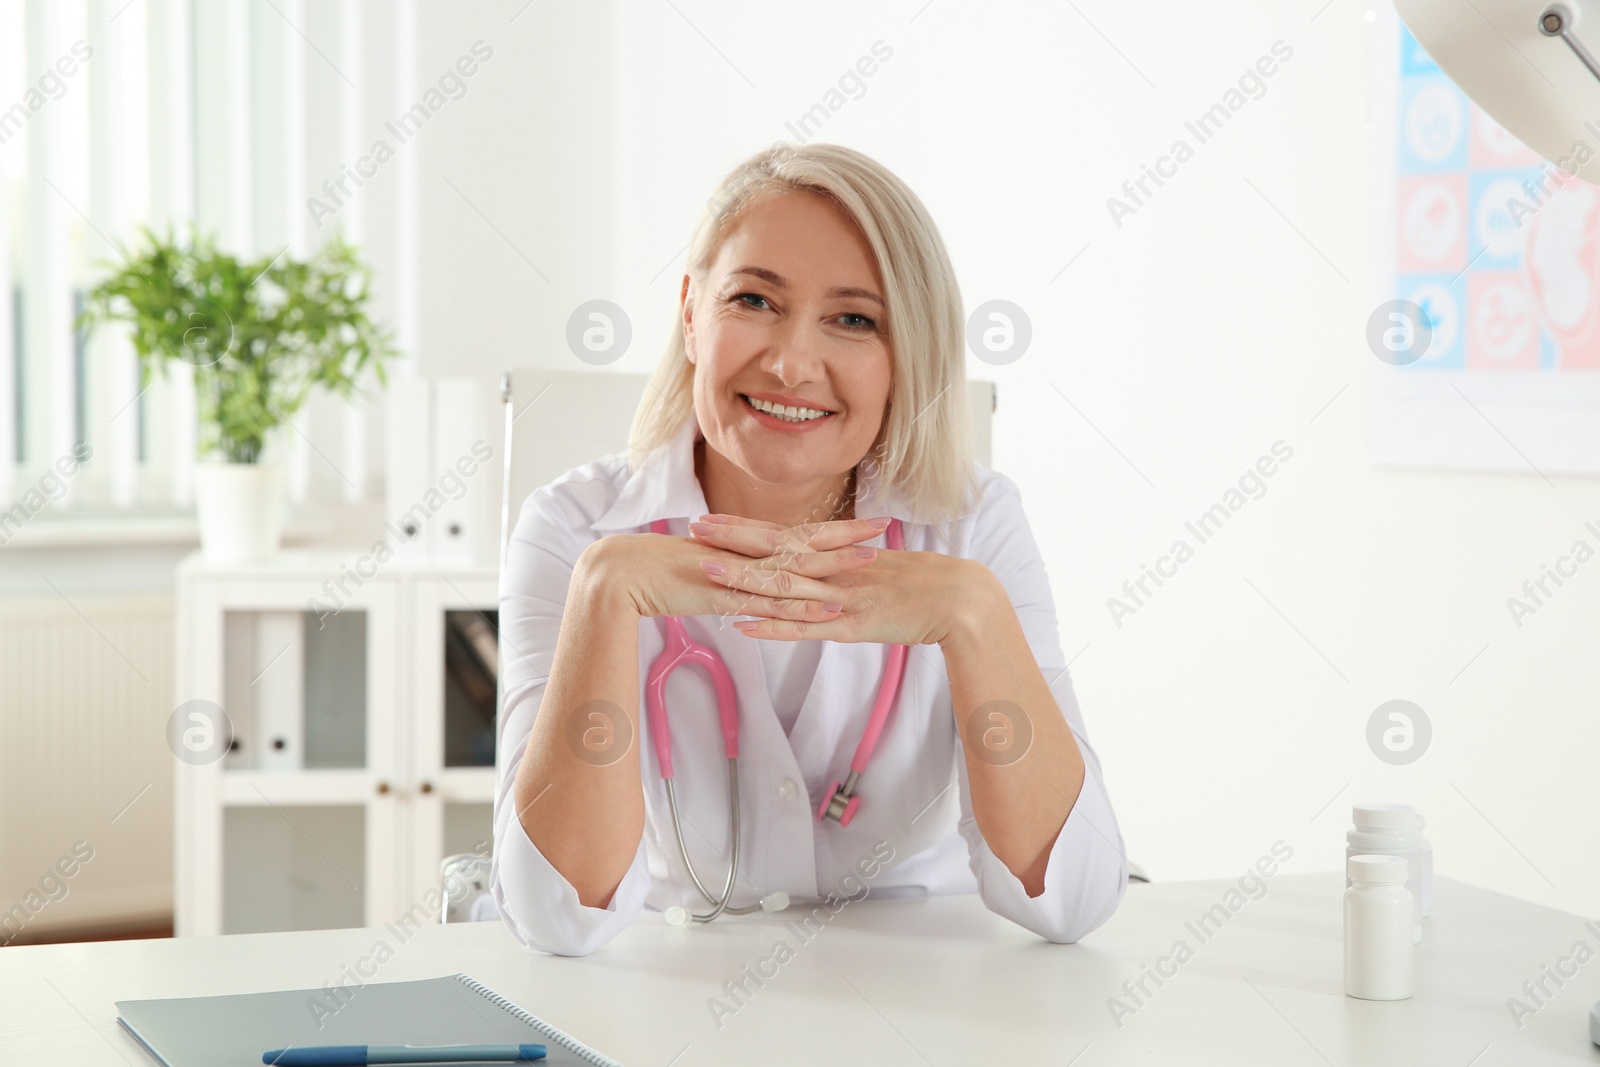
x=443 y=470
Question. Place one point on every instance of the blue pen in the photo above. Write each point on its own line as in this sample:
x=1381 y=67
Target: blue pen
x=361 y=1055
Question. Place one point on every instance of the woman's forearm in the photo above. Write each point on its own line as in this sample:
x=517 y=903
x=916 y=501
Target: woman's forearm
x=1022 y=760
x=577 y=791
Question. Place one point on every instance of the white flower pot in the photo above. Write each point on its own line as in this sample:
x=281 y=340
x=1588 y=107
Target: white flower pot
x=240 y=507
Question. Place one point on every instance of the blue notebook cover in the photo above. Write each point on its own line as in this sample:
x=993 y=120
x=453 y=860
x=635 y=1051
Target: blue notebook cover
x=233 y=1031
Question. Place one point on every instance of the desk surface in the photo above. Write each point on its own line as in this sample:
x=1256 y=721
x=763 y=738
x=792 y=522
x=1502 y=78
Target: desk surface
x=915 y=982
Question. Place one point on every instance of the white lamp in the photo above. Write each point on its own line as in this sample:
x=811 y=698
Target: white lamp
x=1525 y=63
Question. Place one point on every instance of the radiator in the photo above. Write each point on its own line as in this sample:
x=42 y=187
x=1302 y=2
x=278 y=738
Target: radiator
x=86 y=776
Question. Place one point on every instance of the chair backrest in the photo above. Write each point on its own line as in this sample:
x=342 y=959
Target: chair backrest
x=556 y=420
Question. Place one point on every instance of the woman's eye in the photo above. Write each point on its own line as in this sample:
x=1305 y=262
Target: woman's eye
x=850 y=319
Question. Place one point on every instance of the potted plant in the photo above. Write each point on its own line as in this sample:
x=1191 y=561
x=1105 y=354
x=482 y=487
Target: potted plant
x=260 y=335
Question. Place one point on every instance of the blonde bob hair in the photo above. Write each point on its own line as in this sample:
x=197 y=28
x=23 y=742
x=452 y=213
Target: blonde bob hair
x=923 y=450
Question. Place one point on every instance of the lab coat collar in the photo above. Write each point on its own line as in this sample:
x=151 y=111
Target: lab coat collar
x=665 y=487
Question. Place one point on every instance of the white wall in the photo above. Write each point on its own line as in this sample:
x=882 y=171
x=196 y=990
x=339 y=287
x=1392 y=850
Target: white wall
x=516 y=182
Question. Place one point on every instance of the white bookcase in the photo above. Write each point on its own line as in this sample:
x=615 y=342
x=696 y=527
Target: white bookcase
x=363 y=746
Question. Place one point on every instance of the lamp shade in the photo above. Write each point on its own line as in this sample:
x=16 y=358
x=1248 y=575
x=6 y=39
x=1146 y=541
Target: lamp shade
x=1534 y=84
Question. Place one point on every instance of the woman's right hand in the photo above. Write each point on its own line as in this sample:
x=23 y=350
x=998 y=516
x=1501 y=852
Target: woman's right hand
x=661 y=573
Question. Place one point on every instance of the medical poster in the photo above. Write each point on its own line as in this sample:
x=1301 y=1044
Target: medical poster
x=1499 y=250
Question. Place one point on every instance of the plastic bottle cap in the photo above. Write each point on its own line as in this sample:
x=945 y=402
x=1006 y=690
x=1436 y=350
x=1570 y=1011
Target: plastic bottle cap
x=1378 y=870
x=1378 y=815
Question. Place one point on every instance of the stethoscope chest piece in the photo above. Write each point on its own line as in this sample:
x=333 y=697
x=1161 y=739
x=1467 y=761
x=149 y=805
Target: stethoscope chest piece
x=841 y=802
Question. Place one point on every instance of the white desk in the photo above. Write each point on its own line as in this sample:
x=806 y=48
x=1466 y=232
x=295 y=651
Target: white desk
x=936 y=981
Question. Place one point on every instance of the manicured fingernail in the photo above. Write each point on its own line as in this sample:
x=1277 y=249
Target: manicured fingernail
x=745 y=626
x=881 y=522
x=701 y=528
x=833 y=607
x=866 y=553
x=712 y=568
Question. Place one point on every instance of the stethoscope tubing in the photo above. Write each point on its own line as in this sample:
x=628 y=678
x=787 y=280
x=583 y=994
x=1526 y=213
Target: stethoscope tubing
x=719 y=904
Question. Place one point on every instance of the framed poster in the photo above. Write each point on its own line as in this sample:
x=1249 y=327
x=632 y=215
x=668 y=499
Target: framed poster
x=1485 y=300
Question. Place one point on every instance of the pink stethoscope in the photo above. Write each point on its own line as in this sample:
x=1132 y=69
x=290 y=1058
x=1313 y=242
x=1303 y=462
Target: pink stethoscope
x=841 y=802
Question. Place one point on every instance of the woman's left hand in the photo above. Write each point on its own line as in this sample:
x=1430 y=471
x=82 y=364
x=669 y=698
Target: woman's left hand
x=898 y=598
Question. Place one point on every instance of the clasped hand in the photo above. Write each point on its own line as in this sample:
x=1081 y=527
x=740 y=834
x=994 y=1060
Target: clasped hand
x=811 y=582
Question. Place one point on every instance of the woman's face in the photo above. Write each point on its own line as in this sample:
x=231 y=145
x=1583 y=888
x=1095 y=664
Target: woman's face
x=791 y=311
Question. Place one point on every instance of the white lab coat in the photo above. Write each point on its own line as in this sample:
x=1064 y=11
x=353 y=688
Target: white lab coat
x=908 y=802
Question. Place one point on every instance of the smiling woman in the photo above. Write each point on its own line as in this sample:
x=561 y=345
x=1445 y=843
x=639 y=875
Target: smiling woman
x=800 y=459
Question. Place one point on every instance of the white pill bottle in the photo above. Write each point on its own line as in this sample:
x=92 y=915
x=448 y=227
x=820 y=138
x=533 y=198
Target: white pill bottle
x=1387 y=829
x=1379 y=953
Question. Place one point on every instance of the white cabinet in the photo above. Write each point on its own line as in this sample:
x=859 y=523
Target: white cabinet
x=360 y=698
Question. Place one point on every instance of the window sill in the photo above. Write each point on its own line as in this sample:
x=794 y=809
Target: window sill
x=311 y=524
x=177 y=528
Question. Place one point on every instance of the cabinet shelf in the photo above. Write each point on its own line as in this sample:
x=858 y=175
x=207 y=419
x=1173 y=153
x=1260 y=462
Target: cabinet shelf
x=244 y=789
x=467 y=785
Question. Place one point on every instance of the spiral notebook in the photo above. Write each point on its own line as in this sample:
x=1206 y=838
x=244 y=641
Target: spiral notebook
x=233 y=1031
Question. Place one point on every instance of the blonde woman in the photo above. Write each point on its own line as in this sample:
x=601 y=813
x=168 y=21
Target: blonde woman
x=813 y=389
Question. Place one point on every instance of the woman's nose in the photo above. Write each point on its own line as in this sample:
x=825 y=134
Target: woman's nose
x=795 y=354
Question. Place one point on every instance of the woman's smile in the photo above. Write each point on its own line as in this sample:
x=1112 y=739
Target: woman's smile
x=792 y=417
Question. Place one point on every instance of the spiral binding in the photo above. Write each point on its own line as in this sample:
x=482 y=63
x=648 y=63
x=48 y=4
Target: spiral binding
x=555 y=1036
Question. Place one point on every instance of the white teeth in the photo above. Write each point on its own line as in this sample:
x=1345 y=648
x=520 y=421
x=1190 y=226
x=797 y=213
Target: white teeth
x=788 y=414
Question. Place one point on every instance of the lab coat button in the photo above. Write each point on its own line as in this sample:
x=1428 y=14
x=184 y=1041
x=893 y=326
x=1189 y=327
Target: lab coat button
x=787 y=789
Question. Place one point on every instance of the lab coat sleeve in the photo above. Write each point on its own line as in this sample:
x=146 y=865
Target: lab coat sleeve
x=535 y=900
x=1087 y=872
